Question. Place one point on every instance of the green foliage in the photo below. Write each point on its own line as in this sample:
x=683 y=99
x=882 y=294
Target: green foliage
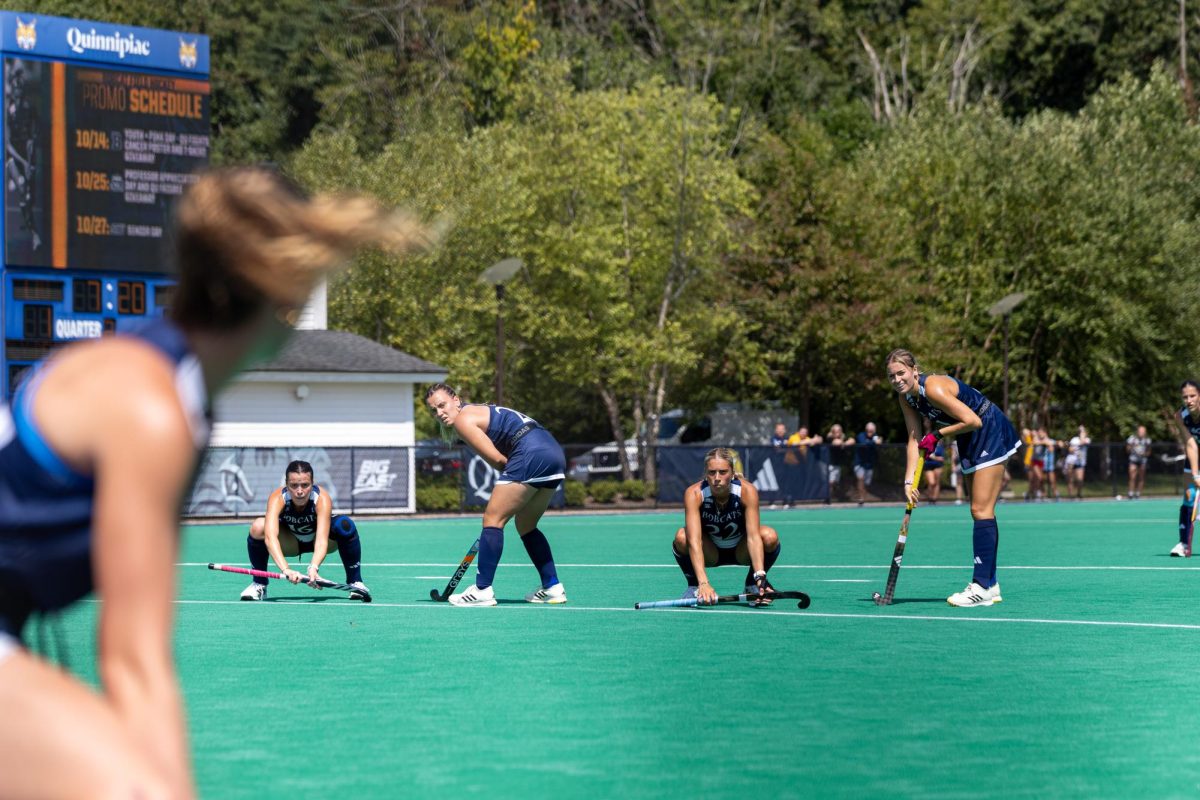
x=633 y=489
x=574 y=494
x=438 y=498
x=495 y=61
x=604 y=491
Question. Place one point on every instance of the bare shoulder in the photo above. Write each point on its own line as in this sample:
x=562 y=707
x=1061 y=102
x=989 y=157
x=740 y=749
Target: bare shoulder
x=749 y=491
x=475 y=415
x=693 y=494
x=941 y=383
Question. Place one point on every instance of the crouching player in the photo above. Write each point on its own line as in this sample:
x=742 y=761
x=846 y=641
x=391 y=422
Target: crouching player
x=1189 y=415
x=300 y=519
x=721 y=527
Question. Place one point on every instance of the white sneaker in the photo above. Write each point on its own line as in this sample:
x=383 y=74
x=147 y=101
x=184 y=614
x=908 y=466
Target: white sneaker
x=255 y=591
x=473 y=596
x=995 y=590
x=360 y=592
x=554 y=595
x=973 y=595
x=1179 y=550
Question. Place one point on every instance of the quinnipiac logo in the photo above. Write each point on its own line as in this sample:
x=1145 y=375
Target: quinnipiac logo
x=127 y=45
x=26 y=34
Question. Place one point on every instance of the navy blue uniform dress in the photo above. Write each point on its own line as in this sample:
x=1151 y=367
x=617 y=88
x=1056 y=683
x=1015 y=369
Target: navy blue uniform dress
x=1193 y=427
x=534 y=456
x=724 y=525
x=991 y=444
x=302 y=522
x=46 y=507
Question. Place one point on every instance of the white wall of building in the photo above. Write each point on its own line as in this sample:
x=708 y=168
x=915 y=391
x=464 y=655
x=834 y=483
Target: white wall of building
x=316 y=410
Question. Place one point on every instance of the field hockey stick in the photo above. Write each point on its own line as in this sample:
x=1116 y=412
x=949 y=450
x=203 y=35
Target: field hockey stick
x=458 y=573
x=1187 y=550
x=692 y=602
x=898 y=554
x=259 y=573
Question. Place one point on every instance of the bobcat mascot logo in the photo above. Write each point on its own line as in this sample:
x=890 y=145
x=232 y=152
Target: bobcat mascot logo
x=187 y=53
x=26 y=34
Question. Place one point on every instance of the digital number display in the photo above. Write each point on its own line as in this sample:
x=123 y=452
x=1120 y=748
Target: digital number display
x=131 y=297
x=95 y=159
x=87 y=296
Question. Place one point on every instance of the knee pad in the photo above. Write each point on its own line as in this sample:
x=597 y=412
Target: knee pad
x=342 y=527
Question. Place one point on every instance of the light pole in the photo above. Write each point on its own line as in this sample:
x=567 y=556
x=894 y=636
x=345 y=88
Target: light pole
x=1003 y=308
x=497 y=275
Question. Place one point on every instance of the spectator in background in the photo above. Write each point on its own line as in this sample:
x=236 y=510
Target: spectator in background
x=837 y=441
x=801 y=441
x=780 y=437
x=933 y=467
x=866 y=456
x=1037 y=464
x=1077 y=462
x=956 y=474
x=1138 y=447
x=1049 y=459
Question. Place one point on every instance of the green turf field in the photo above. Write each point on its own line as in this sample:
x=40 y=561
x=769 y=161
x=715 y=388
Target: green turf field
x=1081 y=684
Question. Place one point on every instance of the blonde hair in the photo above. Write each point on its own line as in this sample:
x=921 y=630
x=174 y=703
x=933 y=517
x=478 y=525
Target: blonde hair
x=246 y=236
x=725 y=454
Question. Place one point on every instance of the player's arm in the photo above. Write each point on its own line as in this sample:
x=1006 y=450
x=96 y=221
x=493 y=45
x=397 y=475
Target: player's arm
x=942 y=393
x=912 y=422
x=1193 y=456
x=471 y=424
x=271 y=536
x=694 y=531
x=754 y=542
x=321 y=541
x=143 y=457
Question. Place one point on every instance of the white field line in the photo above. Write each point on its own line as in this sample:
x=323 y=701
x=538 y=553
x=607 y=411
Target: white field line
x=907 y=567
x=688 y=613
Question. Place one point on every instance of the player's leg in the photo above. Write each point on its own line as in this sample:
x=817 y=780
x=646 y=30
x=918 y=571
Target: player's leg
x=538 y=548
x=983 y=486
x=59 y=739
x=344 y=538
x=771 y=550
x=506 y=500
x=1185 y=522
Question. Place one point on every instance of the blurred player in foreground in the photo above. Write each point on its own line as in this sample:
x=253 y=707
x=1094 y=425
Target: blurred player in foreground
x=985 y=441
x=96 y=454
x=531 y=465
x=721 y=526
x=300 y=519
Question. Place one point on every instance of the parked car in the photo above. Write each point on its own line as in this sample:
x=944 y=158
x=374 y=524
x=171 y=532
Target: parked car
x=603 y=461
x=435 y=457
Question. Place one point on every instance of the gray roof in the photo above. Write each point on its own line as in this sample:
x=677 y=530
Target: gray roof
x=339 y=351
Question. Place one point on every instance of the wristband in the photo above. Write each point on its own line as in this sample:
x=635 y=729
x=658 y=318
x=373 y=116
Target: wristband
x=760 y=574
x=908 y=483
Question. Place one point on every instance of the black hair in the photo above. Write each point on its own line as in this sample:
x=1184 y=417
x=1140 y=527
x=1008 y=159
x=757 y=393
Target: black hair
x=301 y=467
x=1189 y=382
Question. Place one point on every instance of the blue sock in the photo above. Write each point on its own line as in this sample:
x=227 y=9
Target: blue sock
x=769 y=559
x=685 y=563
x=343 y=531
x=257 y=549
x=539 y=553
x=491 y=547
x=986 y=540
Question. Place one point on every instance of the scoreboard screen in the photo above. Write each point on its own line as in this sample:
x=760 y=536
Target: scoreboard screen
x=94 y=160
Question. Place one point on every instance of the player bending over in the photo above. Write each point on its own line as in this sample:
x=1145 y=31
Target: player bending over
x=720 y=527
x=1189 y=415
x=300 y=519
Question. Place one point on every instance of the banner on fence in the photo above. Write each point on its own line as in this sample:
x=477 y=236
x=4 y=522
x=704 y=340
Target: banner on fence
x=236 y=481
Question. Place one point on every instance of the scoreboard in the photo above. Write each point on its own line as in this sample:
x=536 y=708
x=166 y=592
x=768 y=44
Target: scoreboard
x=103 y=127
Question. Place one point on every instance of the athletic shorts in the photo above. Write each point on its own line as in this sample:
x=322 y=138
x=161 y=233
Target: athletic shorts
x=933 y=463
x=8 y=646
x=307 y=541
x=1037 y=462
x=537 y=461
x=1137 y=461
x=866 y=474
x=990 y=445
x=726 y=556
x=835 y=474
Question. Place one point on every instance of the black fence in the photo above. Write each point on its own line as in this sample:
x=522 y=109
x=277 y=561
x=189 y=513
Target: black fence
x=790 y=475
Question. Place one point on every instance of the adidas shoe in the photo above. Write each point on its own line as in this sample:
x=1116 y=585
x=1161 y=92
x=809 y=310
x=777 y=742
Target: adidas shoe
x=973 y=595
x=554 y=595
x=1179 y=550
x=361 y=592
x=255 y=591
x=751 y=591
x=473 y=596
x=690 y=593
x=995 y=590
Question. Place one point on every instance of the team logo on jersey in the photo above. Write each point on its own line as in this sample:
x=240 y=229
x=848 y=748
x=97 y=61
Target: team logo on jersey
x=765 y=480
x=187 y=53
x=26 y=34
x=374 y=475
